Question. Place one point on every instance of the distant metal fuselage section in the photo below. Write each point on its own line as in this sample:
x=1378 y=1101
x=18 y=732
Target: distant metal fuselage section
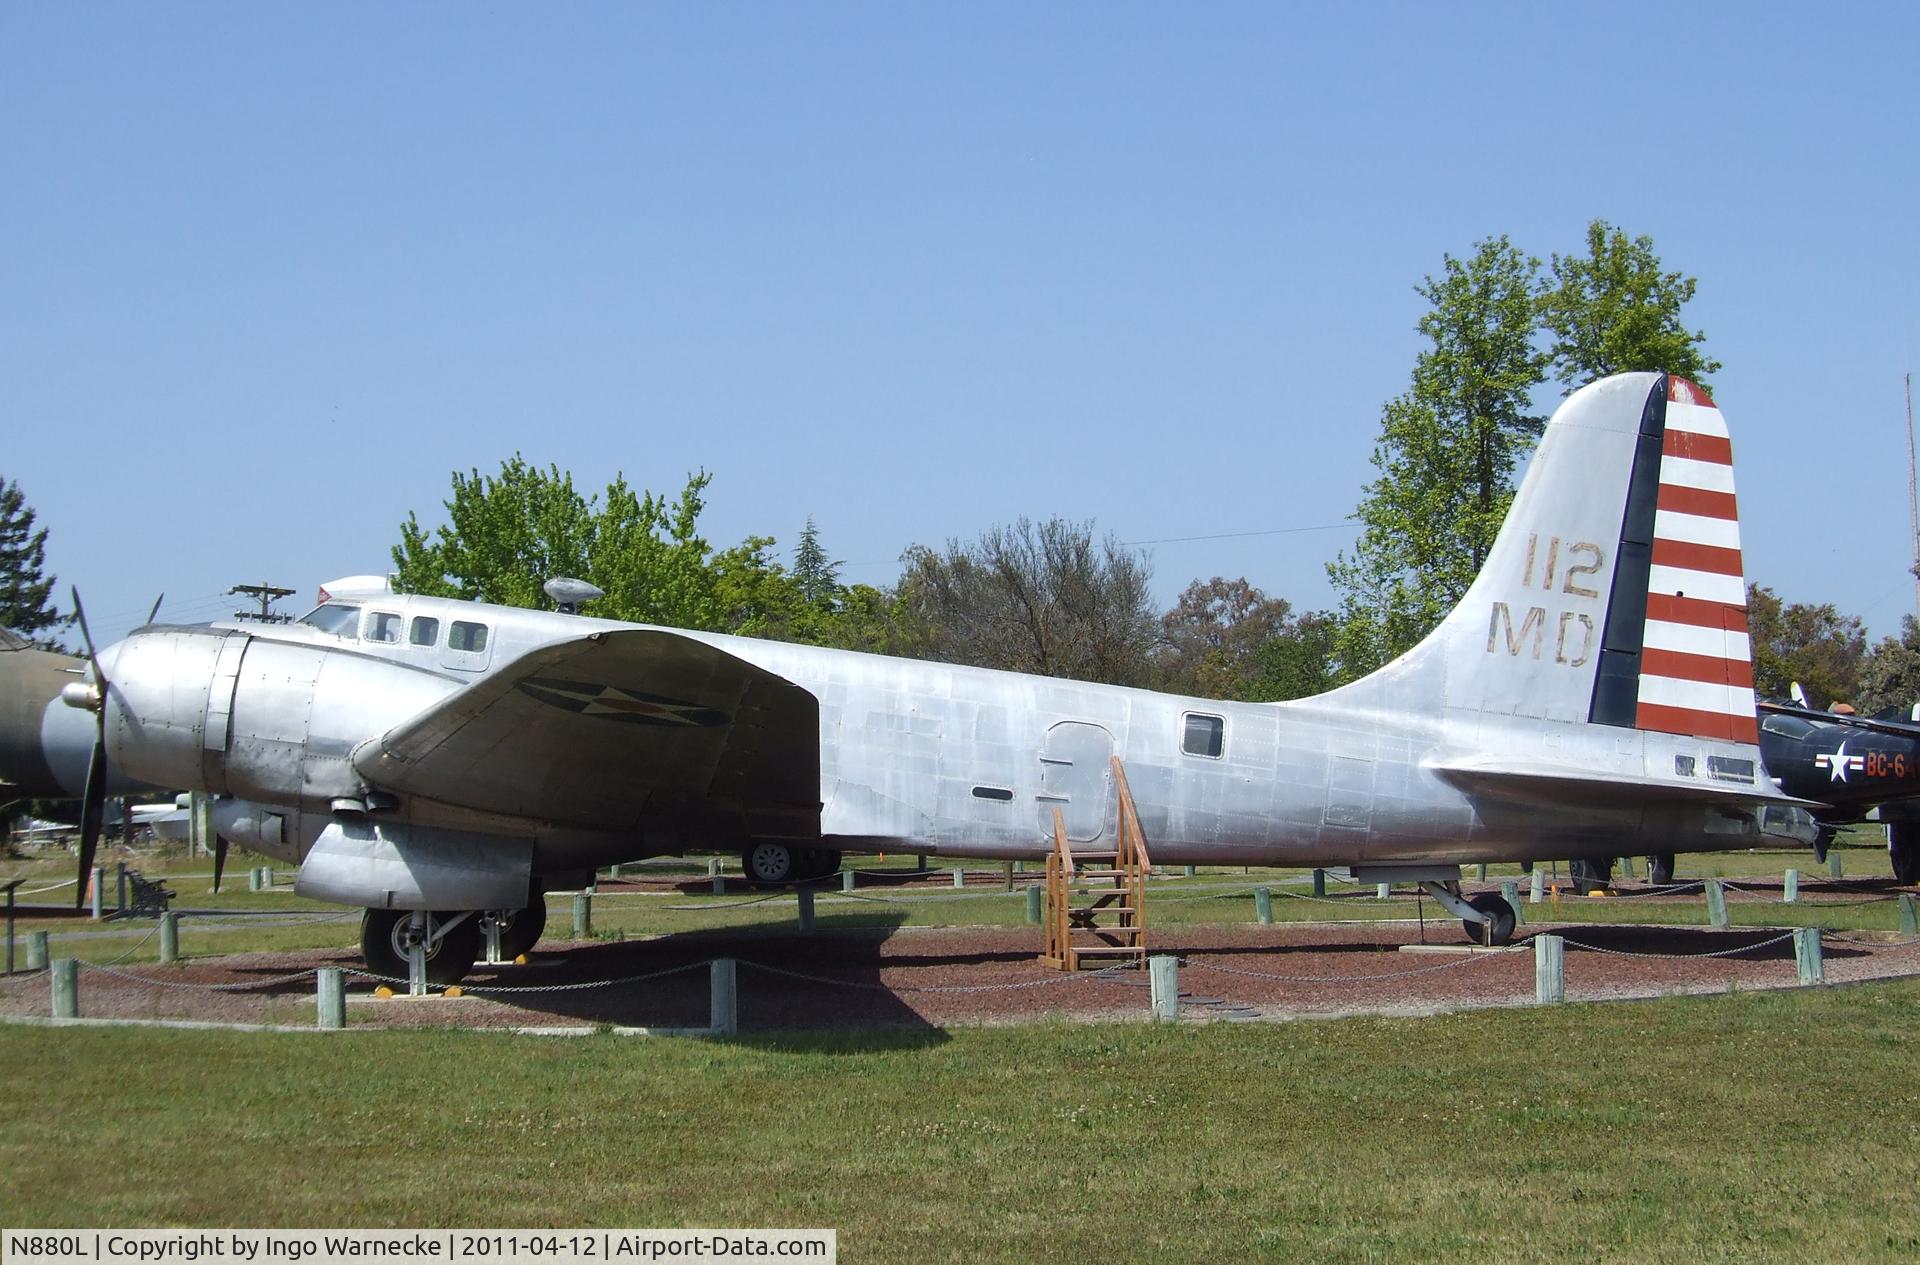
x=1591 y=696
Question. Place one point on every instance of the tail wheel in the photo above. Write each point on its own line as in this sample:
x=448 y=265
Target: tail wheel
x=1903 y=849
x=1660 y=869
x=1498 y=928
x=387 y=937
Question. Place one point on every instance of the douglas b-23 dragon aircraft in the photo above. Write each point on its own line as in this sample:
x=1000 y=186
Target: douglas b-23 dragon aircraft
x=440 y=762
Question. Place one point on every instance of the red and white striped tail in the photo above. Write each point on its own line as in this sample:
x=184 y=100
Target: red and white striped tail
x=1696 y=672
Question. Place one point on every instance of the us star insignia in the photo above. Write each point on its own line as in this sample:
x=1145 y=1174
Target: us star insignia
x=612 y=702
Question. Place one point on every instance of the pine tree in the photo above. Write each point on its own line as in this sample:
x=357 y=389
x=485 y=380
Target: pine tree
x=24 y=590
x=817 y=575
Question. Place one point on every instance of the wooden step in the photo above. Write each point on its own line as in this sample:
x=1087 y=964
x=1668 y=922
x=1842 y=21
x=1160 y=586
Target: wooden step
x=1106 y=950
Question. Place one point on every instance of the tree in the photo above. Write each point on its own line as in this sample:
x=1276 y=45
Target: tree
x=1211 y=640
x=816 y=574
x=1299 y=662
x=1612 y=310
x=1890 y=676
x=1815 y=645
x=1045 y=598
x=1446 y=455
x=25 y=590
x=507 y=535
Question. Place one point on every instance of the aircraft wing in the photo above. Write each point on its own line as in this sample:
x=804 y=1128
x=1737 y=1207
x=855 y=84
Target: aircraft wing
x=1873 y=724
x=615 y=730
x=1548 y=783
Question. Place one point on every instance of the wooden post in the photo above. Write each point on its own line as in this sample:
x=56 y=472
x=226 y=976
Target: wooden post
x=1549 y=968
x=66 y=988
x=1806 y=956
x=920 y=862
x=1163 y=971
x=713 y=866
x=1033 y=904
x=1909 y=921
x=1009 y=876
x=1510 y=892
x=1383 y=891
x=99 y=877
x=266 y=878
x=1262 y=905
x=613 y=871
x=582 y=915
x=959 y=877
x=1320 y=884
x=1483 y=870
x=169 y=937
x=1190 y=871
x=805 y=896
x=723 y=1009
x=1833 y=863
x=37 y=949
x=719 y=883
x=1790 y=887
x=1716 y=903
x=847 y=878
x=1537 y=891
x=1626 y=867
x=253 y=879
x=330 y=996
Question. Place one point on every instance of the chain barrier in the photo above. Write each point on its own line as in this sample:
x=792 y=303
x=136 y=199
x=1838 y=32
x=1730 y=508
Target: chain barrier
x=1338 y=979
x=484 y=989
x=1104 y=975
x=36 y=891
x=737 y=904
x=137 y=944
x=189 y=984
x=1680 y=957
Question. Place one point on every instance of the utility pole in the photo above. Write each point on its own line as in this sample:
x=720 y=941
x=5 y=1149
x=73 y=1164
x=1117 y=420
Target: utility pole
x=1913 y=499
x=266 y=595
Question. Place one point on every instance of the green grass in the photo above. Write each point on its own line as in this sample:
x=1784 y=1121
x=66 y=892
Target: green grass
x=1752 y=1128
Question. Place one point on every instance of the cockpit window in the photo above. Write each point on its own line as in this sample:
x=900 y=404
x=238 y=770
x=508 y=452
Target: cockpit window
x=1787 y=726
x=383 y=626
x=341 y=621
x=469 y=637
x=426 y=630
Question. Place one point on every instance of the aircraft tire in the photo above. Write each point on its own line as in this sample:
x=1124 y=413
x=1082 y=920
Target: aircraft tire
x=1499 y=929
x=382 y=935
x=1590 y=873
x=1660 y=868
x=818 y=863
x=770 y=864
x=524 y=930
x=1903 y=849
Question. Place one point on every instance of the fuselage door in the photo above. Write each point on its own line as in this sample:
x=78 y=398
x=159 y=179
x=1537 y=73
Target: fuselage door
x=1076 y=776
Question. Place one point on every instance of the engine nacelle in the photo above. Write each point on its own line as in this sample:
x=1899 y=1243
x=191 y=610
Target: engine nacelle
x=393 y=865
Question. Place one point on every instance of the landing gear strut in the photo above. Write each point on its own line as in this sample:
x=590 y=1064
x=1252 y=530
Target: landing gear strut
x=1903 y=849
x=1660 y=869
x=1486 y=918
x=451 y=940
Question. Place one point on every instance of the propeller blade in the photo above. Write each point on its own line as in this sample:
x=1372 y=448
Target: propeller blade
x=156 y=606
x=92 y=811
x=86 y=634
x=219 y=860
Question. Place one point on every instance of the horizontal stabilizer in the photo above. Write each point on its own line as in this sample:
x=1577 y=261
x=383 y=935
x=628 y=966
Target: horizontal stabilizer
x=1543 y=782
x=1872 y=724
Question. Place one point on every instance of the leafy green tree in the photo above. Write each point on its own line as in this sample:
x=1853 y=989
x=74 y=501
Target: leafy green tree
x=1446 y=455
x=506 y=535
x=1612 y=310
x=1298 y=662
x=25 y=590
x=1890 y=676
x=1815 y=645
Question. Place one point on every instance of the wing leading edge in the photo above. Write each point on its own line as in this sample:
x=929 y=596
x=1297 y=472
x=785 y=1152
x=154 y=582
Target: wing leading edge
x=614 y=730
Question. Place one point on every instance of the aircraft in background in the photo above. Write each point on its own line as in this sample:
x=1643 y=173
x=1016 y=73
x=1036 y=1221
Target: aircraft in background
x=44 y=746
x=442 y=763
x=1852 y=766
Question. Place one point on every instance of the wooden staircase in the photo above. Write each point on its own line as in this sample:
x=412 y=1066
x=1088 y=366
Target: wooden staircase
x=1109 y=927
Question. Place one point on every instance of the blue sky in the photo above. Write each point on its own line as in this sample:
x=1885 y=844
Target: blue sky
x=268 y=274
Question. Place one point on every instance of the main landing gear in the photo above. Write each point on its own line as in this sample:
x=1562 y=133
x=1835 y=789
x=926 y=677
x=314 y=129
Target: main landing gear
x=452 y=939
x=1660 y=869
x=772 y=864
x=1486 y=918
x=1903 y=849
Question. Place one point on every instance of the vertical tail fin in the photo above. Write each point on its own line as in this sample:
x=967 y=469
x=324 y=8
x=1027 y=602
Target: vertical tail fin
x=1614 y=593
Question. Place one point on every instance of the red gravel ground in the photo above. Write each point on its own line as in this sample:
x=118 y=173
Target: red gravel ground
x=932 y=978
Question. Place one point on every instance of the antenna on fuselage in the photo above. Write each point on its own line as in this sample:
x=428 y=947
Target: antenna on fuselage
x=568 y=593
